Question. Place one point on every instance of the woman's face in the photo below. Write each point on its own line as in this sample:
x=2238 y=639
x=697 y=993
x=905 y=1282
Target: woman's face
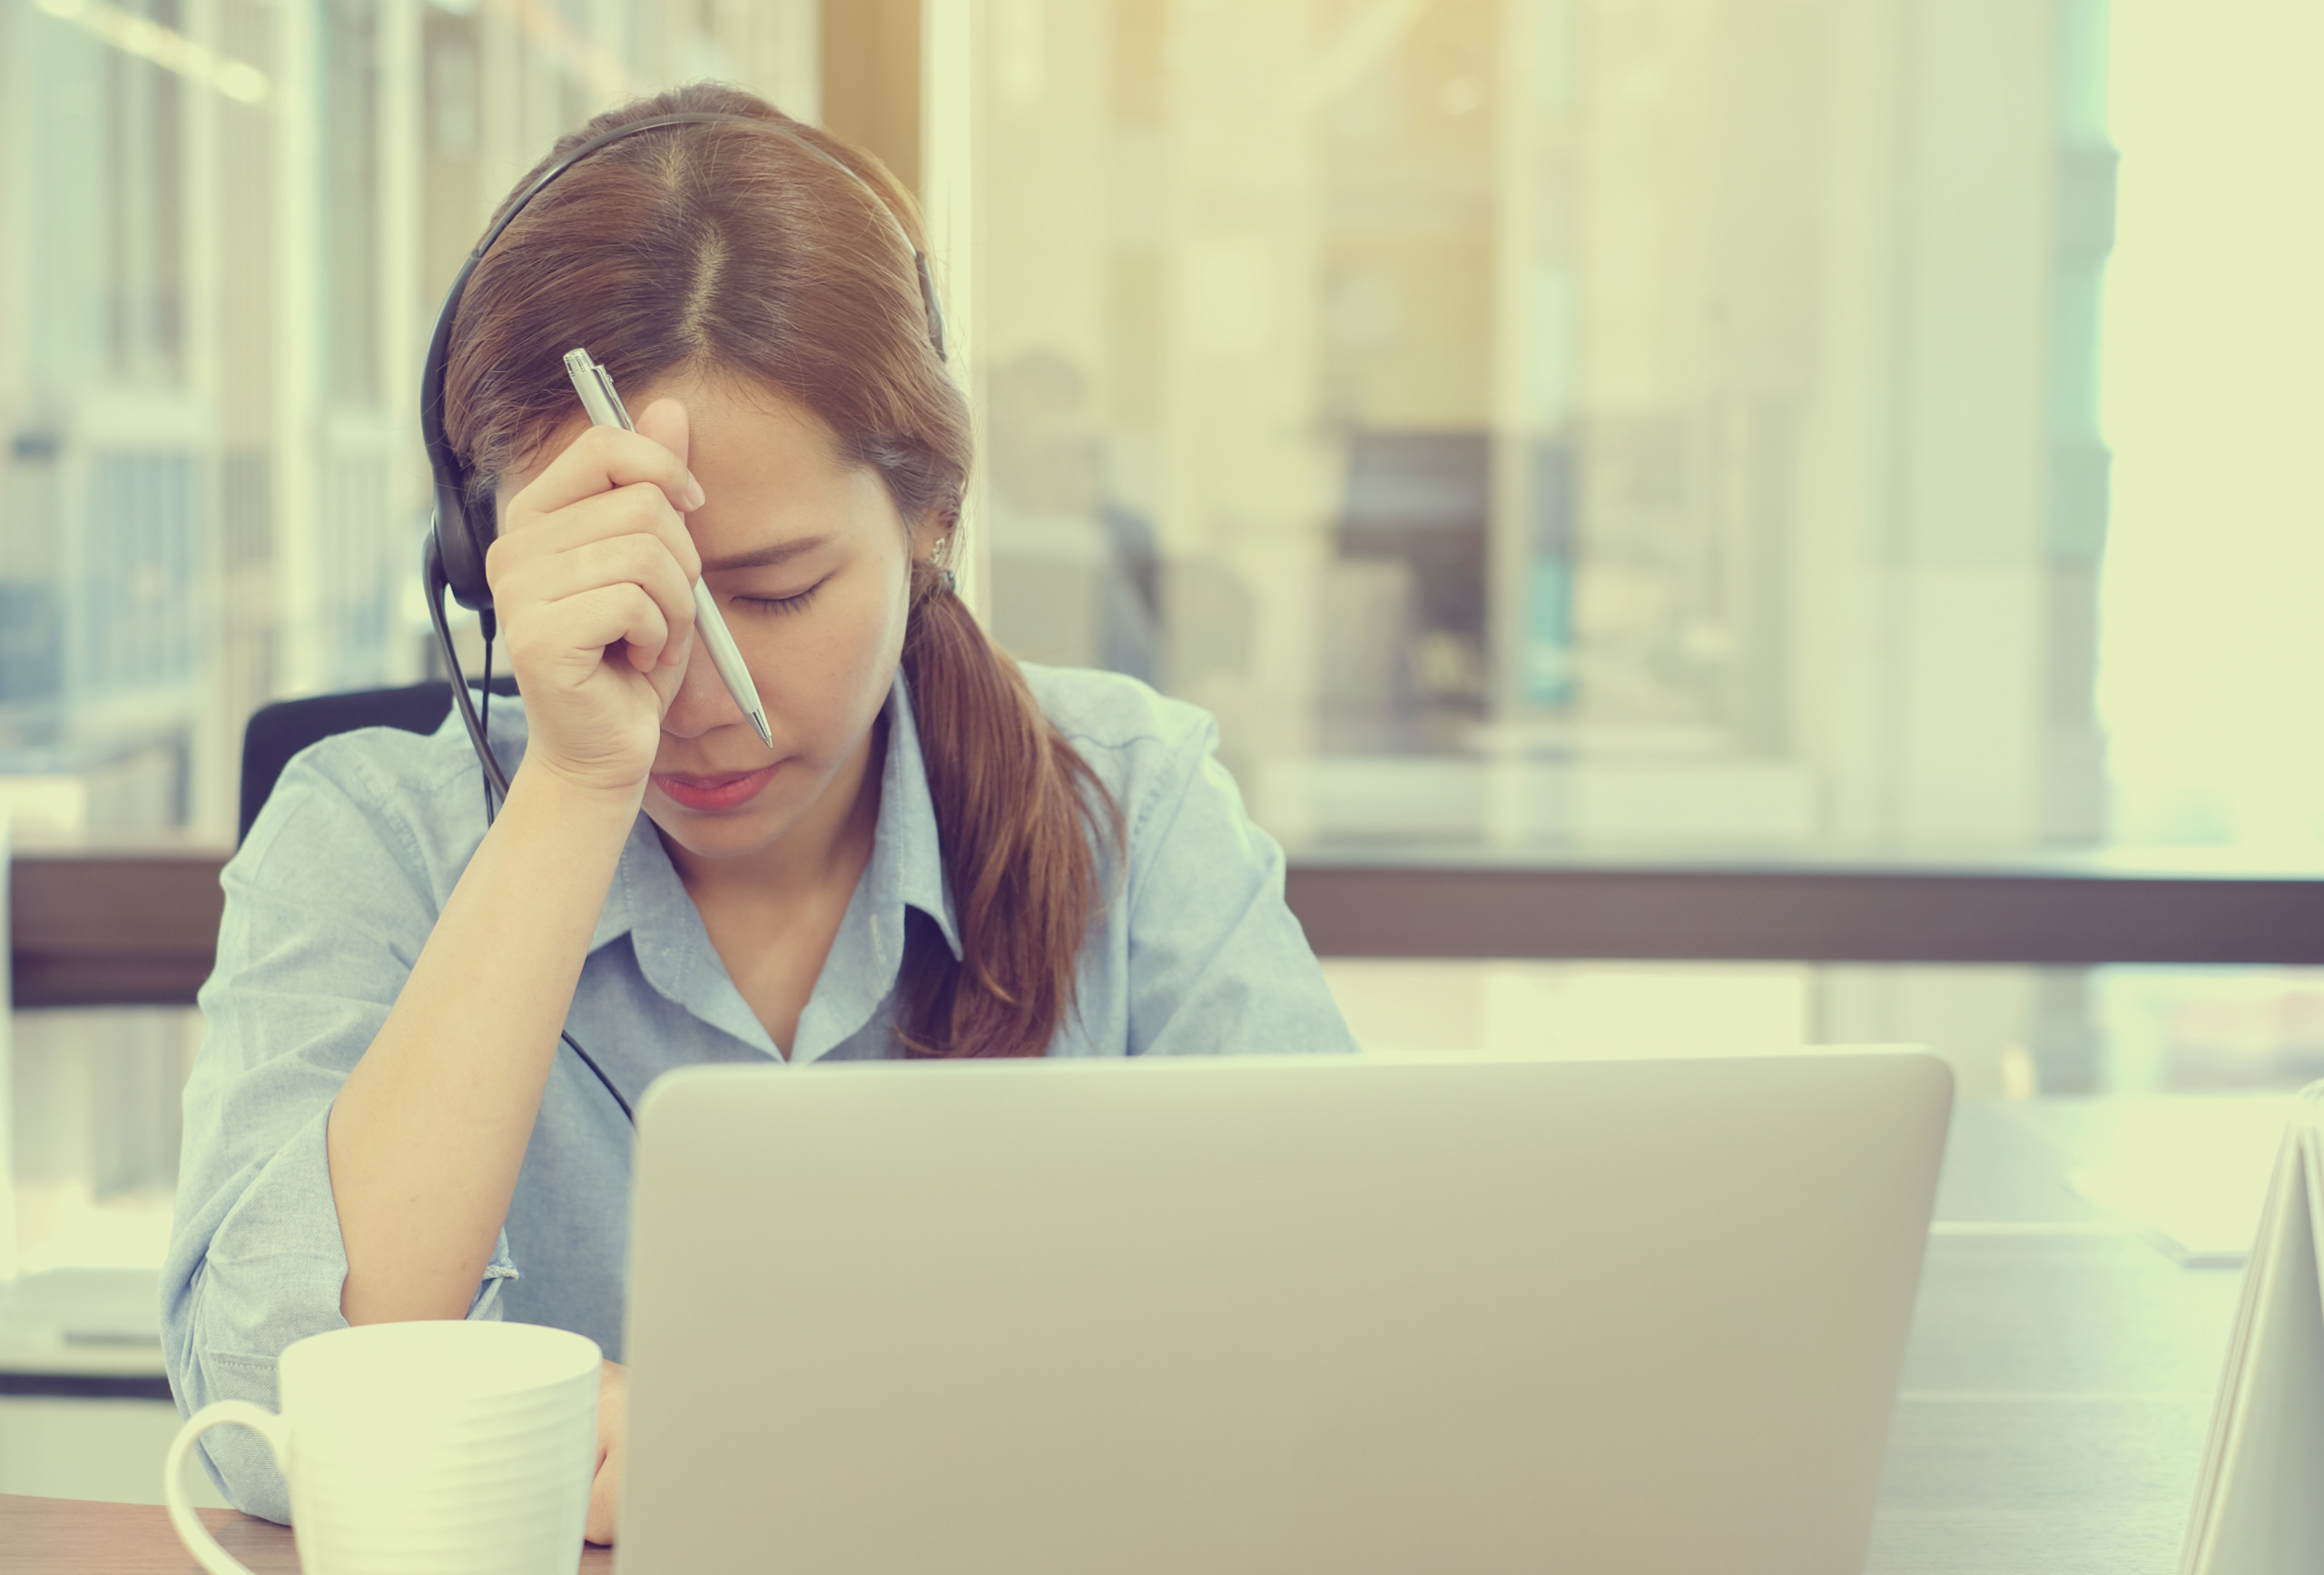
x=809 y=562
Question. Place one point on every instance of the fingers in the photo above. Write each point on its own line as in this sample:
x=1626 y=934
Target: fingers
x=603 y=459
x=638 y=562
x=613 y=1417
x=604 y=1498
x=629 y=535
x=632 y=510
x=606 y=615
x=667 y=422
x=593 y=562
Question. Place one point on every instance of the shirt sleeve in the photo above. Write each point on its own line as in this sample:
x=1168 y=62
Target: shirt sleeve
x=1218 y=962
x=327 y=906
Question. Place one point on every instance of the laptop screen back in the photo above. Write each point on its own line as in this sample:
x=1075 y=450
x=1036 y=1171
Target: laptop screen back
x=1346 y=1316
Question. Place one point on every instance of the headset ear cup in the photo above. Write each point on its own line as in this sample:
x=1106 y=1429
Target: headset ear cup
x=461 y=544
x=483 y=511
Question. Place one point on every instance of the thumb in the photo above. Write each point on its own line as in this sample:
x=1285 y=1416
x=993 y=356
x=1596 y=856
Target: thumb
x=665 y=421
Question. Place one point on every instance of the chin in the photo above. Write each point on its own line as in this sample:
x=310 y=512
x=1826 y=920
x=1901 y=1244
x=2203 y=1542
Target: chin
x=721 y=836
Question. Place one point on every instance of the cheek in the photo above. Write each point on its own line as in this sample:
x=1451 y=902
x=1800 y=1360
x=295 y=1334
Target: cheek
x=824 y=673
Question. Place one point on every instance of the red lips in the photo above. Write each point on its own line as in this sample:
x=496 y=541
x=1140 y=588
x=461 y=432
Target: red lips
x=720 y=791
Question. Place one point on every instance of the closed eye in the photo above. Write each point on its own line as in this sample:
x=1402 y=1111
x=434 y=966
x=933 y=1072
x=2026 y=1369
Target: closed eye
x=780 y=604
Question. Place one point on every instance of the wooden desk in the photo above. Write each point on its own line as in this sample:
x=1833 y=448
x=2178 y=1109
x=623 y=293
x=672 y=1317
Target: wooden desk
x=2057 y=1391
x=2056 y=1399
x=80 y=1537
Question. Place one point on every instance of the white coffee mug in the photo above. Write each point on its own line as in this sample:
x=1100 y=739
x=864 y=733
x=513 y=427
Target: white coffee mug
x=448 y=1447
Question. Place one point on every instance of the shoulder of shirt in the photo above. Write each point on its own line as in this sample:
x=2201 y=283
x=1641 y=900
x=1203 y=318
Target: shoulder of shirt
x=1146 y=748
x=392 y=760
x=1153 y=755
x=389 y=773
x=1114 y=713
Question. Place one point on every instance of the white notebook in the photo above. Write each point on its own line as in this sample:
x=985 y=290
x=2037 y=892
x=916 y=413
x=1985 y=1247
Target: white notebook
x=2259 y=1502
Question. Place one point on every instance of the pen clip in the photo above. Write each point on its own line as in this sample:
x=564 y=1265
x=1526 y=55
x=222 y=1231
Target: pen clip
x=589 y=378
x=606 y=381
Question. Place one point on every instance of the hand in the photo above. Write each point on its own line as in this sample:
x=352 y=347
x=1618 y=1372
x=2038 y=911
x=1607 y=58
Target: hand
x=593 y=580
x=613 y=1426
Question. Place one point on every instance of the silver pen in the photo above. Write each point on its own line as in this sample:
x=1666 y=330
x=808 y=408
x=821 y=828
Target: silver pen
x=606 y=410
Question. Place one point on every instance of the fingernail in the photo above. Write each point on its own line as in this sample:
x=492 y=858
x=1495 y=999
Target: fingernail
x=695 y=496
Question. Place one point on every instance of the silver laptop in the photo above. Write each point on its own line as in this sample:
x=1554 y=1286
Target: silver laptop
x=1312 y=1317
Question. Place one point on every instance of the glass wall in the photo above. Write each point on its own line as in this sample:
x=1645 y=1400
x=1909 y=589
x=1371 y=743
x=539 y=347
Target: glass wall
x=96 y=1127
x=96 y=1134
x=228 y=224
x=1639 y=423
x=1648 y=428
x=2010 y=1033
x=1661 y=428
x=2212 y=652
x=226 y=228
x=1657 y=423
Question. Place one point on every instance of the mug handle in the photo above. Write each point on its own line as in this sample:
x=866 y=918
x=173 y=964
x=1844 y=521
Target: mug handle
x=190 y=1530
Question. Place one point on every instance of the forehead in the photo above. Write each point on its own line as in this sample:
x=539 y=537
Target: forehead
x=747 y=432
x=770 y=467
x=772 y=472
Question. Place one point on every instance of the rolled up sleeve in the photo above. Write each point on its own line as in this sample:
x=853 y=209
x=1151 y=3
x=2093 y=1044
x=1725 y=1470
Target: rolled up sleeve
x=1218 y=962
x=327 y=906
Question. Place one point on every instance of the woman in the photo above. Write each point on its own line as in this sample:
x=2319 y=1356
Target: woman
x=940 y=855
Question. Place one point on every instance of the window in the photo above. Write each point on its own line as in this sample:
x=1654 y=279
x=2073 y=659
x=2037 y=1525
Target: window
x=1604 y=424
x=1619 y=429
x=232 y=226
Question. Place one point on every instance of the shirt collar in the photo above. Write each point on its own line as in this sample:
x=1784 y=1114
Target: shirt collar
x=910 y=851
x=648 y=902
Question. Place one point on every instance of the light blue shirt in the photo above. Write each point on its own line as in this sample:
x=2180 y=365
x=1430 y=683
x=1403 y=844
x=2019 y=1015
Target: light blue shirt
x=330 y=900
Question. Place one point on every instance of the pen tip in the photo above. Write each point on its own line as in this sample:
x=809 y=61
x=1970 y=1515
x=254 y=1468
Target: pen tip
x=758 y=725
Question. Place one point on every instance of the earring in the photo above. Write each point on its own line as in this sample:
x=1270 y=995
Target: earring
x=939 y=558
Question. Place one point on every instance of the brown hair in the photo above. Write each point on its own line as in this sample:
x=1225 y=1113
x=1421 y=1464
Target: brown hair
x=717 y=246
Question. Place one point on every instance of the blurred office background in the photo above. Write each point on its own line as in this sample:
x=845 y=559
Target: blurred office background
x=1783 y=429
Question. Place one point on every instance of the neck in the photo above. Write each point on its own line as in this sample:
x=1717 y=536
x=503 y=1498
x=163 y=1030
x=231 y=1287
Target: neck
x=831 y=841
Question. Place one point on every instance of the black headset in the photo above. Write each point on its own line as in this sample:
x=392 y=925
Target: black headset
x=453 y=556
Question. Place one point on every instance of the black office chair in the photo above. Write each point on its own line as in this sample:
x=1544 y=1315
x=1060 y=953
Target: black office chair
x=281 y=729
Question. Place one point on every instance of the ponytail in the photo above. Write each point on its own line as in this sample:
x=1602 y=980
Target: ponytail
x=1018 y=812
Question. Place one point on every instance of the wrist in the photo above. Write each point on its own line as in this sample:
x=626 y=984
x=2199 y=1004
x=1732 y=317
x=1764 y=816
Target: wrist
x=544 y=787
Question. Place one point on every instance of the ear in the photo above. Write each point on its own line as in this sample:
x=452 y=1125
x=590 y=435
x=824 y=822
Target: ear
x=931 y=540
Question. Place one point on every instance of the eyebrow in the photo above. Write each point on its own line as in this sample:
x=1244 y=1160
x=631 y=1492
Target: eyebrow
x=766 y=556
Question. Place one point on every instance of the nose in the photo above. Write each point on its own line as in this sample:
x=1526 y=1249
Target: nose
x=703 y=703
